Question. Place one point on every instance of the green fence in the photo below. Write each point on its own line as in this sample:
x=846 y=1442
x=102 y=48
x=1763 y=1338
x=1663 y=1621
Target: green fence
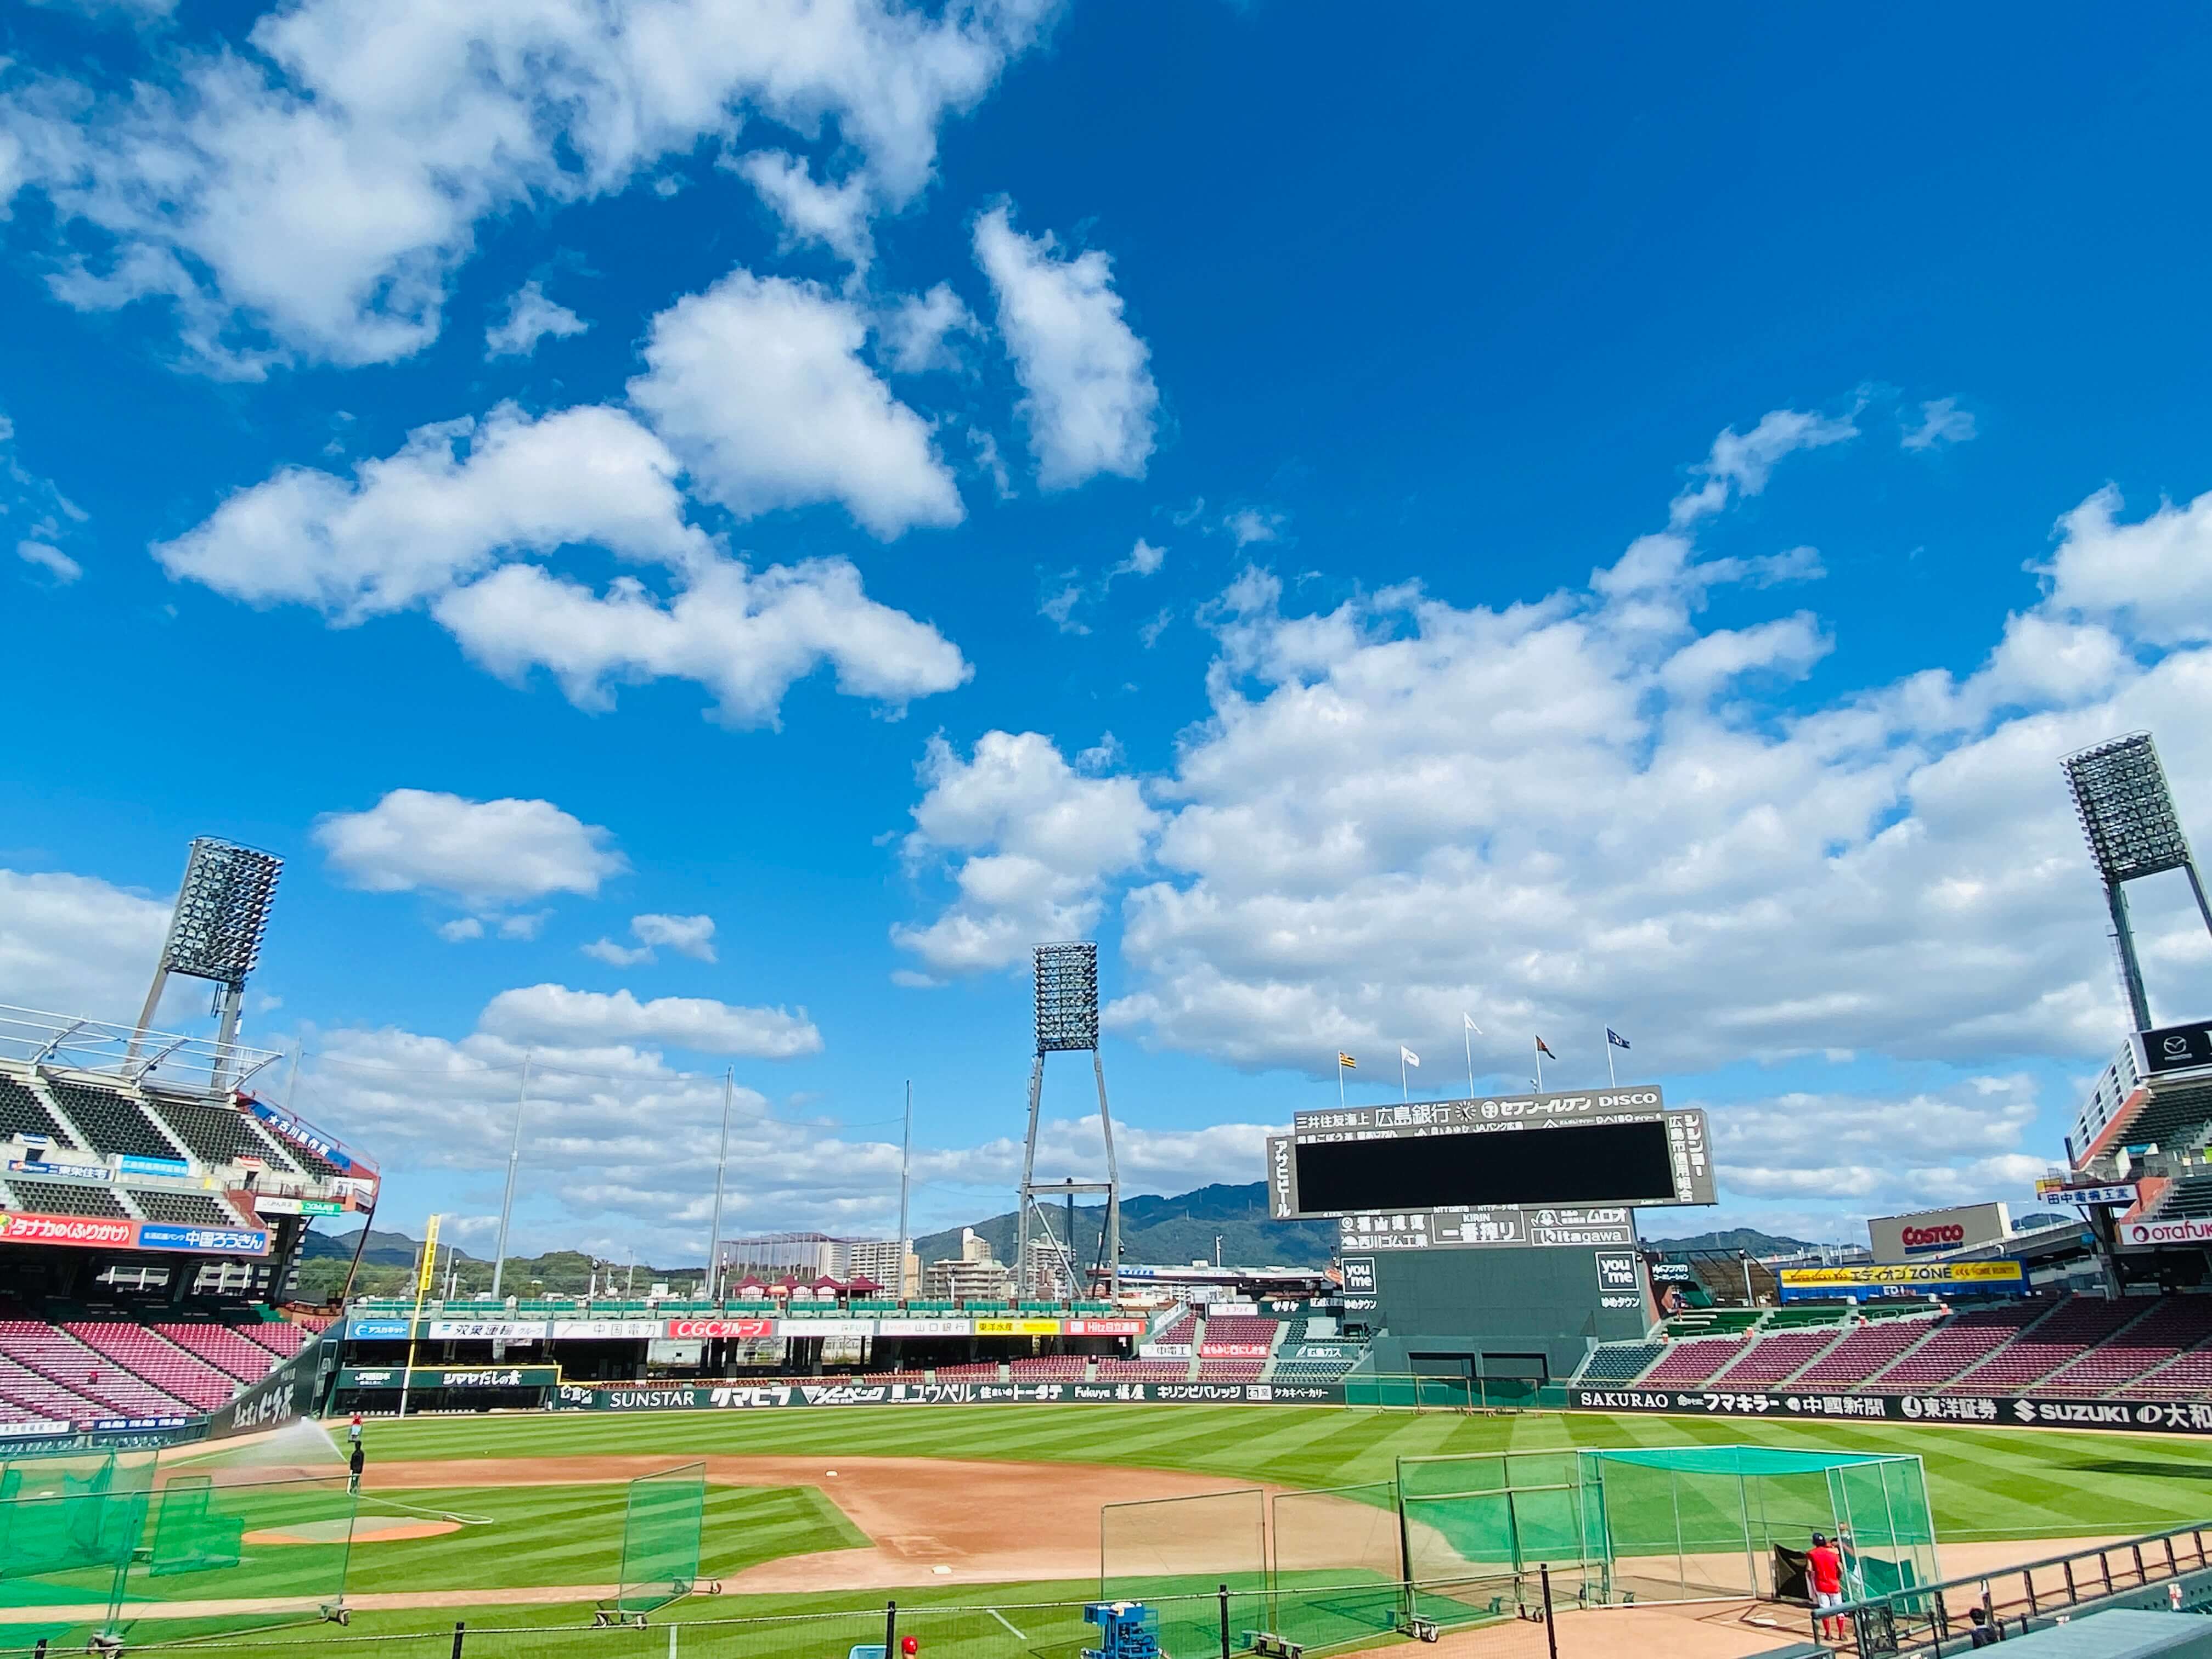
x=108 y=1549
x=662 y=1526
x=1403 y=1391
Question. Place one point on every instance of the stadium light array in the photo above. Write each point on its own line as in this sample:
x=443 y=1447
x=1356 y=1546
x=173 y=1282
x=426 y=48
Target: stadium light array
x=2126 y=809
x=222 y=912
x=1066 y=997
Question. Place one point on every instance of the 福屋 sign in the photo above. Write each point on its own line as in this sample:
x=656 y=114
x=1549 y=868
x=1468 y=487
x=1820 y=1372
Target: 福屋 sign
x=1902 y=1279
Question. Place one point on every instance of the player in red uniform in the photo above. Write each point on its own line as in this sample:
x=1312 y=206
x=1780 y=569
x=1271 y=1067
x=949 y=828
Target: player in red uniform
x=1824 y=1565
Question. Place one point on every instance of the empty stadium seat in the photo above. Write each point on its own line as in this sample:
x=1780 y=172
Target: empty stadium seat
x=223 y=1348
x=1050 y=1368
x=111 y=1122
x=1696 y=1361
x=1775 y=1359
x=2171 y=1324
x=194 y=1209
x=1962 y=1340
x=1863 y=1352
x=1620 y=1362
x=81 y=1370
x=23 y=1112
x=215 y=1133
x=2070 y=1330
x=65 y=1198
x=280 y=1338
x=1140 y=1370
x=160 y=1361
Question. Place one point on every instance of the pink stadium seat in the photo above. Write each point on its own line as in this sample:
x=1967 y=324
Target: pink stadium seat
x=1143 y=1370
x=1959 y=1341
x=1050 y=1368
x=2077 y=1325
x=223 y=1348
x=987 y=1371
x=2173 y=1324
x=1864 y=1351
x=1695 y=1362
x=82 y=1371
x=159 y=1360
x=1771 y=1360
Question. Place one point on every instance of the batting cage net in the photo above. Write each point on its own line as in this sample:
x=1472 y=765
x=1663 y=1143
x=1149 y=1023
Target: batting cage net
x=662 y=1524
x=1175 y=1552
x=1663 y=1524
x=1336 y=1559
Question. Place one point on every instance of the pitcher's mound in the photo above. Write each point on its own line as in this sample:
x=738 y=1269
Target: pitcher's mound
x=367 y=1529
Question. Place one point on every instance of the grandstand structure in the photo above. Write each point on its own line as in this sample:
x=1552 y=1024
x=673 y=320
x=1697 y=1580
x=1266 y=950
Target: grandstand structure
x=2067 y=1348
x=150 y=1216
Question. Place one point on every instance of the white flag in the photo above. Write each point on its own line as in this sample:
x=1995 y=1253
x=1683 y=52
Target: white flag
x=1408 y=1055
x=1471 y=1025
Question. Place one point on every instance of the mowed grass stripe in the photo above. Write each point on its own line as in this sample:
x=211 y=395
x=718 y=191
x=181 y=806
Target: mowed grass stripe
x=1985 y=1481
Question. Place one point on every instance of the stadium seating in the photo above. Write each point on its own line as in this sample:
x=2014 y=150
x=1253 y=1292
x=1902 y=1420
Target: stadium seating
x=193 y=1209
x=2169 y=1326
x=158 y=1360
x=23 y=1112
x=1774 y=1360
x=223 y=1348
x=25 y=1396
x=65 y=1198
x=1864 y=1351
x=112 y=1121
x=1231 y=1371
x=1184 y=1329
x=985 y=1371
x=2186 y=1377
x=1050 y=1368
x=1620 y=1362
x=1140 y=1370
x=1963 y=1340
x=281 y=1339
x=60 y=1357
x=1241 y=1327
x=2075 y=1325
x=1696 y=1361
x=216 y=1135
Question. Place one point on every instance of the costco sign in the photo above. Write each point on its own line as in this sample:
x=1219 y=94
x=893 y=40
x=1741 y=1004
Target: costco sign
x=1899 y=1238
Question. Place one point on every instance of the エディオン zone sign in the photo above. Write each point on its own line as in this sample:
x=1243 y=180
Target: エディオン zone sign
x=1902 y=1279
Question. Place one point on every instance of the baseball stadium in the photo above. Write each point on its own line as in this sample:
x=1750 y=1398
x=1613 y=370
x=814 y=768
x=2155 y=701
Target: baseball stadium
x=1497 y=1421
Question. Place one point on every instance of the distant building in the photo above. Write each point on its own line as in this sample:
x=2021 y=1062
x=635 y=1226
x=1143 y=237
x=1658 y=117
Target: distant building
x=974 y=1278
x=883 y=1259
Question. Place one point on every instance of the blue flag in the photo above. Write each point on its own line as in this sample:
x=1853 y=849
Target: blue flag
x=1616 y=1038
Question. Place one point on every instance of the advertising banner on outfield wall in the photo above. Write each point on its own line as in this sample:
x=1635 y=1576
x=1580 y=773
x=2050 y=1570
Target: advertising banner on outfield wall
x=2149 y=1235
x=95 y=1232
x=737 y=1396
x=489 y=1330
x=941 y=1325
x=2027 y=1409
x=736 y=1330
x=605 y=1330
x=1017 y=1328
x=1902 y=1279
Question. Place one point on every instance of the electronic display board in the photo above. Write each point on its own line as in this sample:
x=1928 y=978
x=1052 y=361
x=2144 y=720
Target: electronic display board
x=1617 y=1148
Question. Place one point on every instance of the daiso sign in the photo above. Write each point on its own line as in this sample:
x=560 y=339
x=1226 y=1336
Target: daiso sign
x=1899 y=1238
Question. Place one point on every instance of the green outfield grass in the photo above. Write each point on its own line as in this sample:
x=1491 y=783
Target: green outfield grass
x=1982 y=1483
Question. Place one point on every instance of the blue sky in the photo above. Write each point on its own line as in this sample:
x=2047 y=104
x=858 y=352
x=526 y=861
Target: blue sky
x=1576 y=519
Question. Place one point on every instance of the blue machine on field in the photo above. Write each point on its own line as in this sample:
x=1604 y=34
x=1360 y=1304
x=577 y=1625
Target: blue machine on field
x=1126 y=1630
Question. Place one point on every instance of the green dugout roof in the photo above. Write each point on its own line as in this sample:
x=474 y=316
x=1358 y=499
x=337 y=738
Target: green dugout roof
x=1740 y=1459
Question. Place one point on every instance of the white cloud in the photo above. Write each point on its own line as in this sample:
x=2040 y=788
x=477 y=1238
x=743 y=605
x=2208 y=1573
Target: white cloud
x=456 y=496
x=2154 y=576
x=1912 y=1150
x=1941 y=422
x=1053 y=835
x=688 y=936
x=56 y=563
x=1590 y=809
x=461 y=929
x=1144 y=560
x=1091 y=405
x=485 y=852
x=554 y=1013
x=745 y=636
x=313 y=188
x=135 y=11
x=835 y=215
x=917 y=334
x=1249 y=524
x=33 y=512
x=424 y=527
x=759 y=385
x=1741 y=462
x=530 y=318
x=76 y=946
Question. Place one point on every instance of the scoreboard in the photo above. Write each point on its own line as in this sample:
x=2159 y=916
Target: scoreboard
x=1509 y=1169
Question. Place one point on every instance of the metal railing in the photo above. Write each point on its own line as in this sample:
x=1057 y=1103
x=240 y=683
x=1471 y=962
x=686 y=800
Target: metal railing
x=1934 y=1619
x=126 y=1053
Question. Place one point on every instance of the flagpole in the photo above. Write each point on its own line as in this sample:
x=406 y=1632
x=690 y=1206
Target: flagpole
x=1467 y=1036
x=1339 y=1080
x=1403 y=1093
x=1611 y=1082
x=1540 y=1066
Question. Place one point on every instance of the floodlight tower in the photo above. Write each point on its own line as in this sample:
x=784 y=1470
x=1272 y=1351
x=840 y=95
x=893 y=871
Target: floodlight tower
x=1067 y=1020
x=2127 y=813
x=215 y=933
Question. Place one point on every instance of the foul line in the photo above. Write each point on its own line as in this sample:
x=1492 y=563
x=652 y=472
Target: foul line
x=1008 y=1623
